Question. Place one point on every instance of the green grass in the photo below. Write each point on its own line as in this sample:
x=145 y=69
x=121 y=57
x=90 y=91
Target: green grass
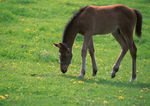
x=29 y=63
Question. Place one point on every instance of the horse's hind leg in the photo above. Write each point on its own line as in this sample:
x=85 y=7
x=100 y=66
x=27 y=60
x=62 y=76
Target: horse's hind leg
x=132 y=48
x=119 y=37
x=133 y=52
x=91 y=51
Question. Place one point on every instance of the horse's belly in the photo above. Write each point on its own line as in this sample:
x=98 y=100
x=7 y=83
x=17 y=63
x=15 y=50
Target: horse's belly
x=104 y=29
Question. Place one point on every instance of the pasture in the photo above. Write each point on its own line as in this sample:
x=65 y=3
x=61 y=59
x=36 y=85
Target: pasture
x=29 y=63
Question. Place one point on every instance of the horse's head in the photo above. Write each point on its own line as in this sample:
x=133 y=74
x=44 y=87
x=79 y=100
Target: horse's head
x=65 y=56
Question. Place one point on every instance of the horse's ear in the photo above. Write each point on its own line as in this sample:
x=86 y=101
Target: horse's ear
x=57 y=45
x=64 y=46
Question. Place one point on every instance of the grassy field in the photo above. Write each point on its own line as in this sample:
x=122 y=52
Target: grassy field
x=29 y=63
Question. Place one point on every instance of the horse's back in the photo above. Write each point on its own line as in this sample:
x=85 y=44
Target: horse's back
x=105 y=19
x=111 y=11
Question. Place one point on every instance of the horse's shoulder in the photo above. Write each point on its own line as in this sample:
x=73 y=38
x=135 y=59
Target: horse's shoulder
x=90 y=7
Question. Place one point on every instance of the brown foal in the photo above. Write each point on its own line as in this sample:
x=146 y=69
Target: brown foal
x=119 y=20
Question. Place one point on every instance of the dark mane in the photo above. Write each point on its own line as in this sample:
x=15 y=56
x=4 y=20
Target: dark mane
x=69 y=24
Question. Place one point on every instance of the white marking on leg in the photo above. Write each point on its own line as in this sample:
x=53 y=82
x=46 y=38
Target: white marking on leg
x=87 y=38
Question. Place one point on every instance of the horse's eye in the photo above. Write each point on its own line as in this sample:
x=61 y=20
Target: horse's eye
x=67 y=53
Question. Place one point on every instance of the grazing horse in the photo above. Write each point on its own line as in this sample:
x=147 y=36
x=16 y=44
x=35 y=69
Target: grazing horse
x=119 y=20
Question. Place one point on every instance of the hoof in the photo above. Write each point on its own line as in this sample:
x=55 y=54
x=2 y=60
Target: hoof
x=133 y=78
x=81 y=76
x=113 y=75
x=94 y=72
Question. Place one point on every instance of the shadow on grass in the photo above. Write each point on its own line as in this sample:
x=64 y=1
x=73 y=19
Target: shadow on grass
x=118 y=83
x=102 y=81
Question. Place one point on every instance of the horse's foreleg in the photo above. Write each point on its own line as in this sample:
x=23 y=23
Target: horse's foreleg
x=83 y=54
x=91 y=51
x=117 y=64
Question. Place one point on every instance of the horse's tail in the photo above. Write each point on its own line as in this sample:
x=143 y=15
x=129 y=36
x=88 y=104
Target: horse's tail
x=138 y=23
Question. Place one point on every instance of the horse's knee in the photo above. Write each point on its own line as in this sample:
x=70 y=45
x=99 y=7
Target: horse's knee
x=134 y=55
x=133 y=51
x=91 y=52
x=83 y=52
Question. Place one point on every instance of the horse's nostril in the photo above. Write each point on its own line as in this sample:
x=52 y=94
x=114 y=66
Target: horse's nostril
x=63 y=71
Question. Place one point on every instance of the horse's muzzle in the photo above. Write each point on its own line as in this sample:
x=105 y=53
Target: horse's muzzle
x=64 y=68
x=63 y=71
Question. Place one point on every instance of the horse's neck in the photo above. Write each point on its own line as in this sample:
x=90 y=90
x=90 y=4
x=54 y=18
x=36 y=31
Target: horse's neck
x=69 y=37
